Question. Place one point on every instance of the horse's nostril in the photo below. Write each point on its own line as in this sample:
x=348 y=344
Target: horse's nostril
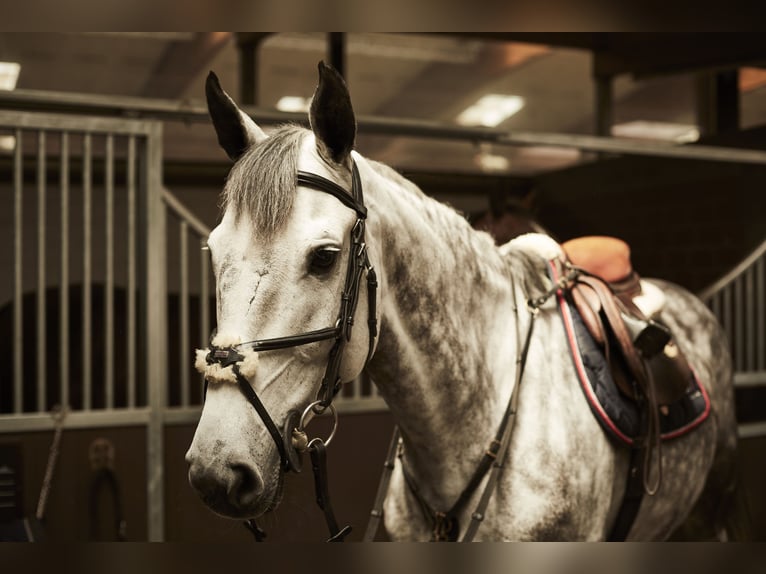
x=246 y=486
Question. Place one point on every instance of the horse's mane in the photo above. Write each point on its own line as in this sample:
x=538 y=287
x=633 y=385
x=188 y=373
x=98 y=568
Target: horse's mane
x=450 y=224
x=262 y=182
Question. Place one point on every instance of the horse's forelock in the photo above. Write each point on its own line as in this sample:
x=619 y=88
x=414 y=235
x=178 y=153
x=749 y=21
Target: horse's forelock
x=261 y=184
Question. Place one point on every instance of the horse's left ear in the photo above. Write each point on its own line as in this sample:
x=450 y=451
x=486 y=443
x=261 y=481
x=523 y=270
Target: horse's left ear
x=332 y=117
x=235 y=129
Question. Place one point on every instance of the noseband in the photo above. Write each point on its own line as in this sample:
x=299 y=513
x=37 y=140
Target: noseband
x=358 y=262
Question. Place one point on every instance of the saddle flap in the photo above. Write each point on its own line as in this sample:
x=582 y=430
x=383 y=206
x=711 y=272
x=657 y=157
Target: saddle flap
x=589 y=306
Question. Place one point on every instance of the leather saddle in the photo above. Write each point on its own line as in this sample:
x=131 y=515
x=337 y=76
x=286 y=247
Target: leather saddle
x=645 y=363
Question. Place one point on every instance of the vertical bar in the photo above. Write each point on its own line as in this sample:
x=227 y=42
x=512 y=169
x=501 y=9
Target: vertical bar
x=749 y=318
x=336 y=51
x=131 y=302
x=357 y=387
x=64 y=290
x=604 y=106
x=109 y=284
x=727 y=100
x=204 y=310
x=156 y=328
x=18 y=293
x=86 y=272
x=760 y=273
x=183 y=303
x=727 y=318
x=715 y=305
x=739 y=320
x=41 y=315
x=204 y=305
x=248 y=75
x=373 y=388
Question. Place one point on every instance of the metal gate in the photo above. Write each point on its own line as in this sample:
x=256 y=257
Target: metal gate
x=738 y=300
x=96 y=322
x=86 y=221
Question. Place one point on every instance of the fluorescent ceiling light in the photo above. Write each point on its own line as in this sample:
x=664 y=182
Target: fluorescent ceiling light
x=658 y=131
x=491 y=162
x=9 y=74
x=293 y=104
x=7 y=143
x=490 y=110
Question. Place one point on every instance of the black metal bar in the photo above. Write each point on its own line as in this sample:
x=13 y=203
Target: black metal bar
x=181 y=111
x=248 y=75
x=603 y=105
x=336 y=47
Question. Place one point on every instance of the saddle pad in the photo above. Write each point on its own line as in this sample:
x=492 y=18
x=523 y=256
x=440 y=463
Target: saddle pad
x=617 y=414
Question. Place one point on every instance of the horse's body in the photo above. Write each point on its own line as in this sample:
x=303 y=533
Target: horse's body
x=445 y=359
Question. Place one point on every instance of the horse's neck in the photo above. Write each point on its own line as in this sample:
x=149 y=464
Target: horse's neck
x=445 y=356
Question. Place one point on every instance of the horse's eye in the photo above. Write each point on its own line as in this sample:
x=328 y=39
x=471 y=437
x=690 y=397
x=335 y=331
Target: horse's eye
x=323 y=259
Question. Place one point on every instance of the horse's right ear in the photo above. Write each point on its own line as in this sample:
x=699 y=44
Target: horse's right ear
x=236 y=130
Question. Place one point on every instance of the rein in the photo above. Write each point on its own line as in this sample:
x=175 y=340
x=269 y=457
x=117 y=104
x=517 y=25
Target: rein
x=292 y=441
x=445 y=525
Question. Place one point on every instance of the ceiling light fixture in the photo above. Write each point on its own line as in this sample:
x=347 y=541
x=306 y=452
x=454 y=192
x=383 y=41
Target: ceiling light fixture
x=657 y=131
x=7 y=143
x=293 y=104
x=9 y=75
x=490 y=110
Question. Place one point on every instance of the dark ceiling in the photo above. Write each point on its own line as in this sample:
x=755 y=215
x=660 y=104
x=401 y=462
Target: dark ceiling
x=656 y=78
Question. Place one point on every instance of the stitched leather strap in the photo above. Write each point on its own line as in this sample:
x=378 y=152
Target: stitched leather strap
x=318 y=452
x=252 y=397
x=291 y=340
x=509 y=419
x=320 y=183
x=445 y=525
x=376 y=514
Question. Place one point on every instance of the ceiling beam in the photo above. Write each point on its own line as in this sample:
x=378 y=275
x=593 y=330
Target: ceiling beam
x=181 y=62
x=648 y=54
x=644 y=55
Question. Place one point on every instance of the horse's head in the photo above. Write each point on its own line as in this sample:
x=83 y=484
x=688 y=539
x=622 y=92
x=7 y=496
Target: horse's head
x=285 y=263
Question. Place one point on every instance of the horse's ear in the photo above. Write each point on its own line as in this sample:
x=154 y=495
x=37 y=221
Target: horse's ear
x=236 y=130
x=331 y=115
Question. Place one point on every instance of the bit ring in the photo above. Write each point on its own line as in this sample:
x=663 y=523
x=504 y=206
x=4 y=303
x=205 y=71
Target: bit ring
x=309 y=411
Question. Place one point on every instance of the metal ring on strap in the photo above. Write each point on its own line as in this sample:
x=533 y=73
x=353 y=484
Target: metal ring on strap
x=310 y=410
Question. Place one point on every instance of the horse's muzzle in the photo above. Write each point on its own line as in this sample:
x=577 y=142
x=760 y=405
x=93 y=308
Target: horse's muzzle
x=234 y=489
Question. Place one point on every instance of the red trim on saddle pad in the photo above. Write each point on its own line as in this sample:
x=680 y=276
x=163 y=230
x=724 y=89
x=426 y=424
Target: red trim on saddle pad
x=617 y=414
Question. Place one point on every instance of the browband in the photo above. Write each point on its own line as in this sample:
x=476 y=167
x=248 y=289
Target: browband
x=354 y=201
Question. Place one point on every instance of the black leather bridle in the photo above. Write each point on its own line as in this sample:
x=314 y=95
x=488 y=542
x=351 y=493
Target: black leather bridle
x=358 y=263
